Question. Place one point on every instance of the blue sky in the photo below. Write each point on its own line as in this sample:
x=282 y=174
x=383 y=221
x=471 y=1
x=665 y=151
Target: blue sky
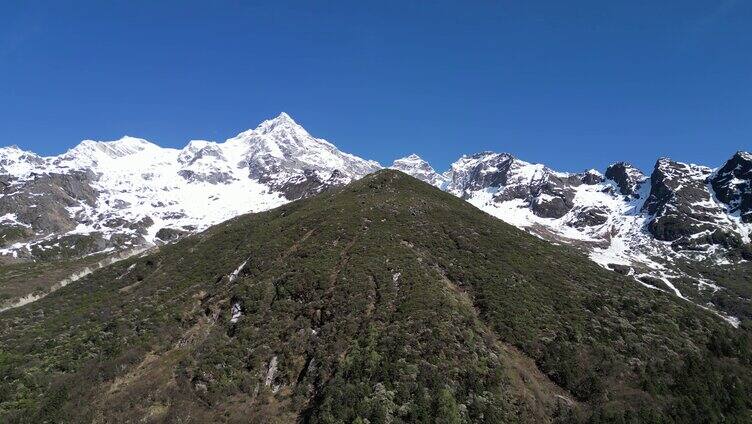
x=571 y=84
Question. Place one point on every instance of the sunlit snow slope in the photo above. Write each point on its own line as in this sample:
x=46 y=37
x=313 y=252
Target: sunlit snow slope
x=126 y=191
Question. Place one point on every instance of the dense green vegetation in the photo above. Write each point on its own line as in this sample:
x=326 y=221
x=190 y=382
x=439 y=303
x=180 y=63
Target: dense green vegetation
x=384 y=301
x=21 y=278
x=69 y=247
x=736 y=280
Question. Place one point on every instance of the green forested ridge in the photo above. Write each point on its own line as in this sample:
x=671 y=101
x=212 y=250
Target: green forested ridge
x=384 y=301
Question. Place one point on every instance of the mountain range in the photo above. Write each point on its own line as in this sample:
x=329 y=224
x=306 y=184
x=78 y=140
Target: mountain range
x=385 y=300
x=681 y=228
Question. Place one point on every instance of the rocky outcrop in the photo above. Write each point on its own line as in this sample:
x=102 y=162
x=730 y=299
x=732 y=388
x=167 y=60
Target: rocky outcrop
x=589 y=217
x=732 y=184
x=683 y=210
x=553 y=196
x=305 y=184
x=547 y=193
x=169 y=235
x=627 y=178
x=208 y=177
x=47 y=202
x=478 y=172
x=282 y=150
x=592 y=177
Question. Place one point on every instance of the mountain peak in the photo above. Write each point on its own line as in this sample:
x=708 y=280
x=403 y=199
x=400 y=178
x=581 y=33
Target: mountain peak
x=18 y=162
x=670 y=166
x=627 y=177
x=489 y=153
x=284 y=116
x=741 y=154
x=622 y=164
x=14 y=151
x=415 y=166
x=480 y=159
x=123 y=141
x=411 y=160
x=12 y=147
x=282 y=121
x=97 y=150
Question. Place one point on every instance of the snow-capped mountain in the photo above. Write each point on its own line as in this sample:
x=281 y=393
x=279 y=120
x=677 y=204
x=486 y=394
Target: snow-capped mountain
x=128 y=193
x=676 y=204
x=124 y=193
x=417 y=167
x=670 y=230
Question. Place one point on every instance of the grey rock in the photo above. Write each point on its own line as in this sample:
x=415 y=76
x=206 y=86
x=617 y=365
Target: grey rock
x=732 y=185
x=628 y=178
x=680 y=202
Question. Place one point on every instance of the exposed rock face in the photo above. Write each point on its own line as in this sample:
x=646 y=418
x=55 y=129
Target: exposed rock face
x=211 y=177
x=589 y=217
x=281 y=152
x=682 y=207
x=547 y=193
x=592 y=177
x=167 y=235
x=478 y=172
x=48 y=202
x=306 y=184
x=647 y=228
x=627 y=178
x=13 y=160
x=732 y=184
x=204 y=162
x=553 y=197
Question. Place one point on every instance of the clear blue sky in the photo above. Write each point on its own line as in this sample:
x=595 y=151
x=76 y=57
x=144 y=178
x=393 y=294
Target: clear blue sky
x=570 y=84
